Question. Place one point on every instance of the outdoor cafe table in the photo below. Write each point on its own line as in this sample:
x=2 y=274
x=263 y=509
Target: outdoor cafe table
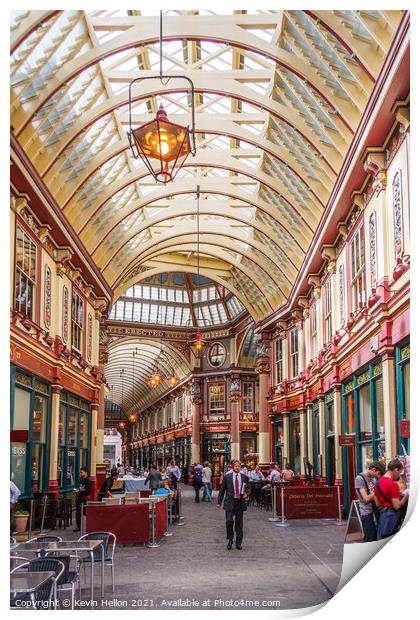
x=28 y=583
x=67 y=545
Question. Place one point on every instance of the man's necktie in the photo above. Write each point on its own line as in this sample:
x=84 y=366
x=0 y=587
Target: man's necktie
x=236 y=487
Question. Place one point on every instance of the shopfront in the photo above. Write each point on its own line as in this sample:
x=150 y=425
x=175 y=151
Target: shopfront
x=316 y=446
x=30 y=421
x=216 y=450
x=330 y=439
x=278 y=438
x=362 y=418
x=248 y=444
x=294 y=439
x=402 y=369
x=74 y=428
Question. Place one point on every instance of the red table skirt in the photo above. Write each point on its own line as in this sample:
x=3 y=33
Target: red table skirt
x=160 y=519
x=129 y=523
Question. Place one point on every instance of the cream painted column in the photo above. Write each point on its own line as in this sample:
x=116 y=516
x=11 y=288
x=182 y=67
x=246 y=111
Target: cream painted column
x=322 y=434
x=196 y=400
x=337 y=433
x=263 y=370
x=390 y=413
x=302 y=438
x=53 y=483
x=94 y=438
x=286 y=438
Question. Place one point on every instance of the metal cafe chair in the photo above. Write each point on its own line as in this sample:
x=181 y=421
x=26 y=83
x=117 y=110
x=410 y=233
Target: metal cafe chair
x=40 y=565
x=46 y=538
x=112 y=500
x=70 y=578
x=109 y=541
x=131 y=498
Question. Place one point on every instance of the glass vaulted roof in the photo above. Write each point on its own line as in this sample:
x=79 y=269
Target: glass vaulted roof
x=178 y=300
x=278 y=97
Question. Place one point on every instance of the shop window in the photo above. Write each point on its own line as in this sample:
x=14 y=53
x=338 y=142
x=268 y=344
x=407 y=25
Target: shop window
x=295 y=444
x=365 y=412
x=76 y=321
x=358 y=289
x=403 y=393
x=294 y=353
x=279 y=360
x=217 y=354
x=25 y=274
x=248 y=397
x=328 y=312
x=217 y=398
x=73 y=439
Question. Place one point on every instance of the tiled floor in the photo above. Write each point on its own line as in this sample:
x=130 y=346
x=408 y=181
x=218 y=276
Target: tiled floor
x=278 y=568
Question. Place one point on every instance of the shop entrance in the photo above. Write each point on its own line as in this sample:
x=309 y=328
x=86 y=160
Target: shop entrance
x=217 y=451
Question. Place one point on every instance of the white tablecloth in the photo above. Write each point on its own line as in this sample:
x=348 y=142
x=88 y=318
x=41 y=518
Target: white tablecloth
x=135 y=484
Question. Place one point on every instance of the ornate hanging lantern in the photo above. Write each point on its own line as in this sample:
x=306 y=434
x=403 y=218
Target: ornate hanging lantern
x=162 y=145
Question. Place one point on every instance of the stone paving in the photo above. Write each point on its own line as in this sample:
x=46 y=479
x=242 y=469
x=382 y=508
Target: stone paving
x=278 y=568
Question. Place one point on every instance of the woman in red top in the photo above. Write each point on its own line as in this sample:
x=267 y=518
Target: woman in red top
x=389 y=499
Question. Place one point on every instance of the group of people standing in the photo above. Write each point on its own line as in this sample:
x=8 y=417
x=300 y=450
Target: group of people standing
x=383 y=497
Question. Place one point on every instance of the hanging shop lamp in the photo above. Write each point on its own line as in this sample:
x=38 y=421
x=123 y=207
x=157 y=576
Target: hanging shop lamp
x=162 y=145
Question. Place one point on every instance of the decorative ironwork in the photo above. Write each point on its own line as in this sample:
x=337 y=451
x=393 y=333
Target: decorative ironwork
x=405 y=352
x=341 y=293
x=65 y=313
x=398 y=216
x=348 y=387
x=373 y=250
x=377 y=370
x=47 y=297
x=363 y=378
x=329 y=397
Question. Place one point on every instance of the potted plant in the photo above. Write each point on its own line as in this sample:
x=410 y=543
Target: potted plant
x=21 y=520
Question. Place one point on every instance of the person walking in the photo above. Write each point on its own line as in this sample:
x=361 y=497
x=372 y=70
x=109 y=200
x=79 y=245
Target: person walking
x=389 y=499
x=174 y=474
x=235 y=488
x=120 y=469
x=207 y=475
x=186 y=473
x=197 y=480
x=364 y=485
x=85 y=487
x=154 y=478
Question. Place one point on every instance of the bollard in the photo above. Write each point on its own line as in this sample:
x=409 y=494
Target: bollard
x=153 y=543
x=168 y=515
x=274 y=518
x=283 y=520
x=180 y=519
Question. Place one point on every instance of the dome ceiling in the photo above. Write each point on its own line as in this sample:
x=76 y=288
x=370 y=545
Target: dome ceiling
x=279 y=95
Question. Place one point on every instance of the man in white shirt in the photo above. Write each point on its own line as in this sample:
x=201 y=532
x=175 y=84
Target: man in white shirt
x=235 y=487
x=206 y=477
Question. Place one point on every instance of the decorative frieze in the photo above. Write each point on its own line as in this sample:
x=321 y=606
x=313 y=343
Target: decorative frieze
x=65 y=310
x=89 y=337
x=398 y=215
x=341 y=285
x=47 y=297
x=373 y=250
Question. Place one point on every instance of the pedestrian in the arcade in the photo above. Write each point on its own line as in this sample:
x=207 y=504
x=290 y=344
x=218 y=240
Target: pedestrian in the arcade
x=197 y=480
x=364 y=485
x=389 y=499
x=234 y=490
x=85 y=487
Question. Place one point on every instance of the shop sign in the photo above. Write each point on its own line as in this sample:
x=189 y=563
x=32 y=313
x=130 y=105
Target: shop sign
x=346 y=441
x=248 y=427
x=18 y=450
x=309 y=502
x=405 y=429
x=293 y=403
x=19 y=437
x=217 y=429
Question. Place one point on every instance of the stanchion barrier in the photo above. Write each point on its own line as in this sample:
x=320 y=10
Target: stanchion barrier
x=153 y=543
x=168 y=515
x=283 y=520
x=180 y=520
x=274 y=518
x=31 y=518
x=339 y=520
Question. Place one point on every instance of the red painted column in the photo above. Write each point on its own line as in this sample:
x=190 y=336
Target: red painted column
x=263 y=370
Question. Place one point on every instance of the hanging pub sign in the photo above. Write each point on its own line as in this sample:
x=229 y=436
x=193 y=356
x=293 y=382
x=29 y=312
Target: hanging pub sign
x=405 y=429
x=346 y=441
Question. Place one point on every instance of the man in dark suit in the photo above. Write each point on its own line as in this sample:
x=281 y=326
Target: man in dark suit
x=235 y=487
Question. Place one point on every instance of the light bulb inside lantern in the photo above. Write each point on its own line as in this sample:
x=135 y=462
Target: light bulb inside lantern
x=163 y=146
